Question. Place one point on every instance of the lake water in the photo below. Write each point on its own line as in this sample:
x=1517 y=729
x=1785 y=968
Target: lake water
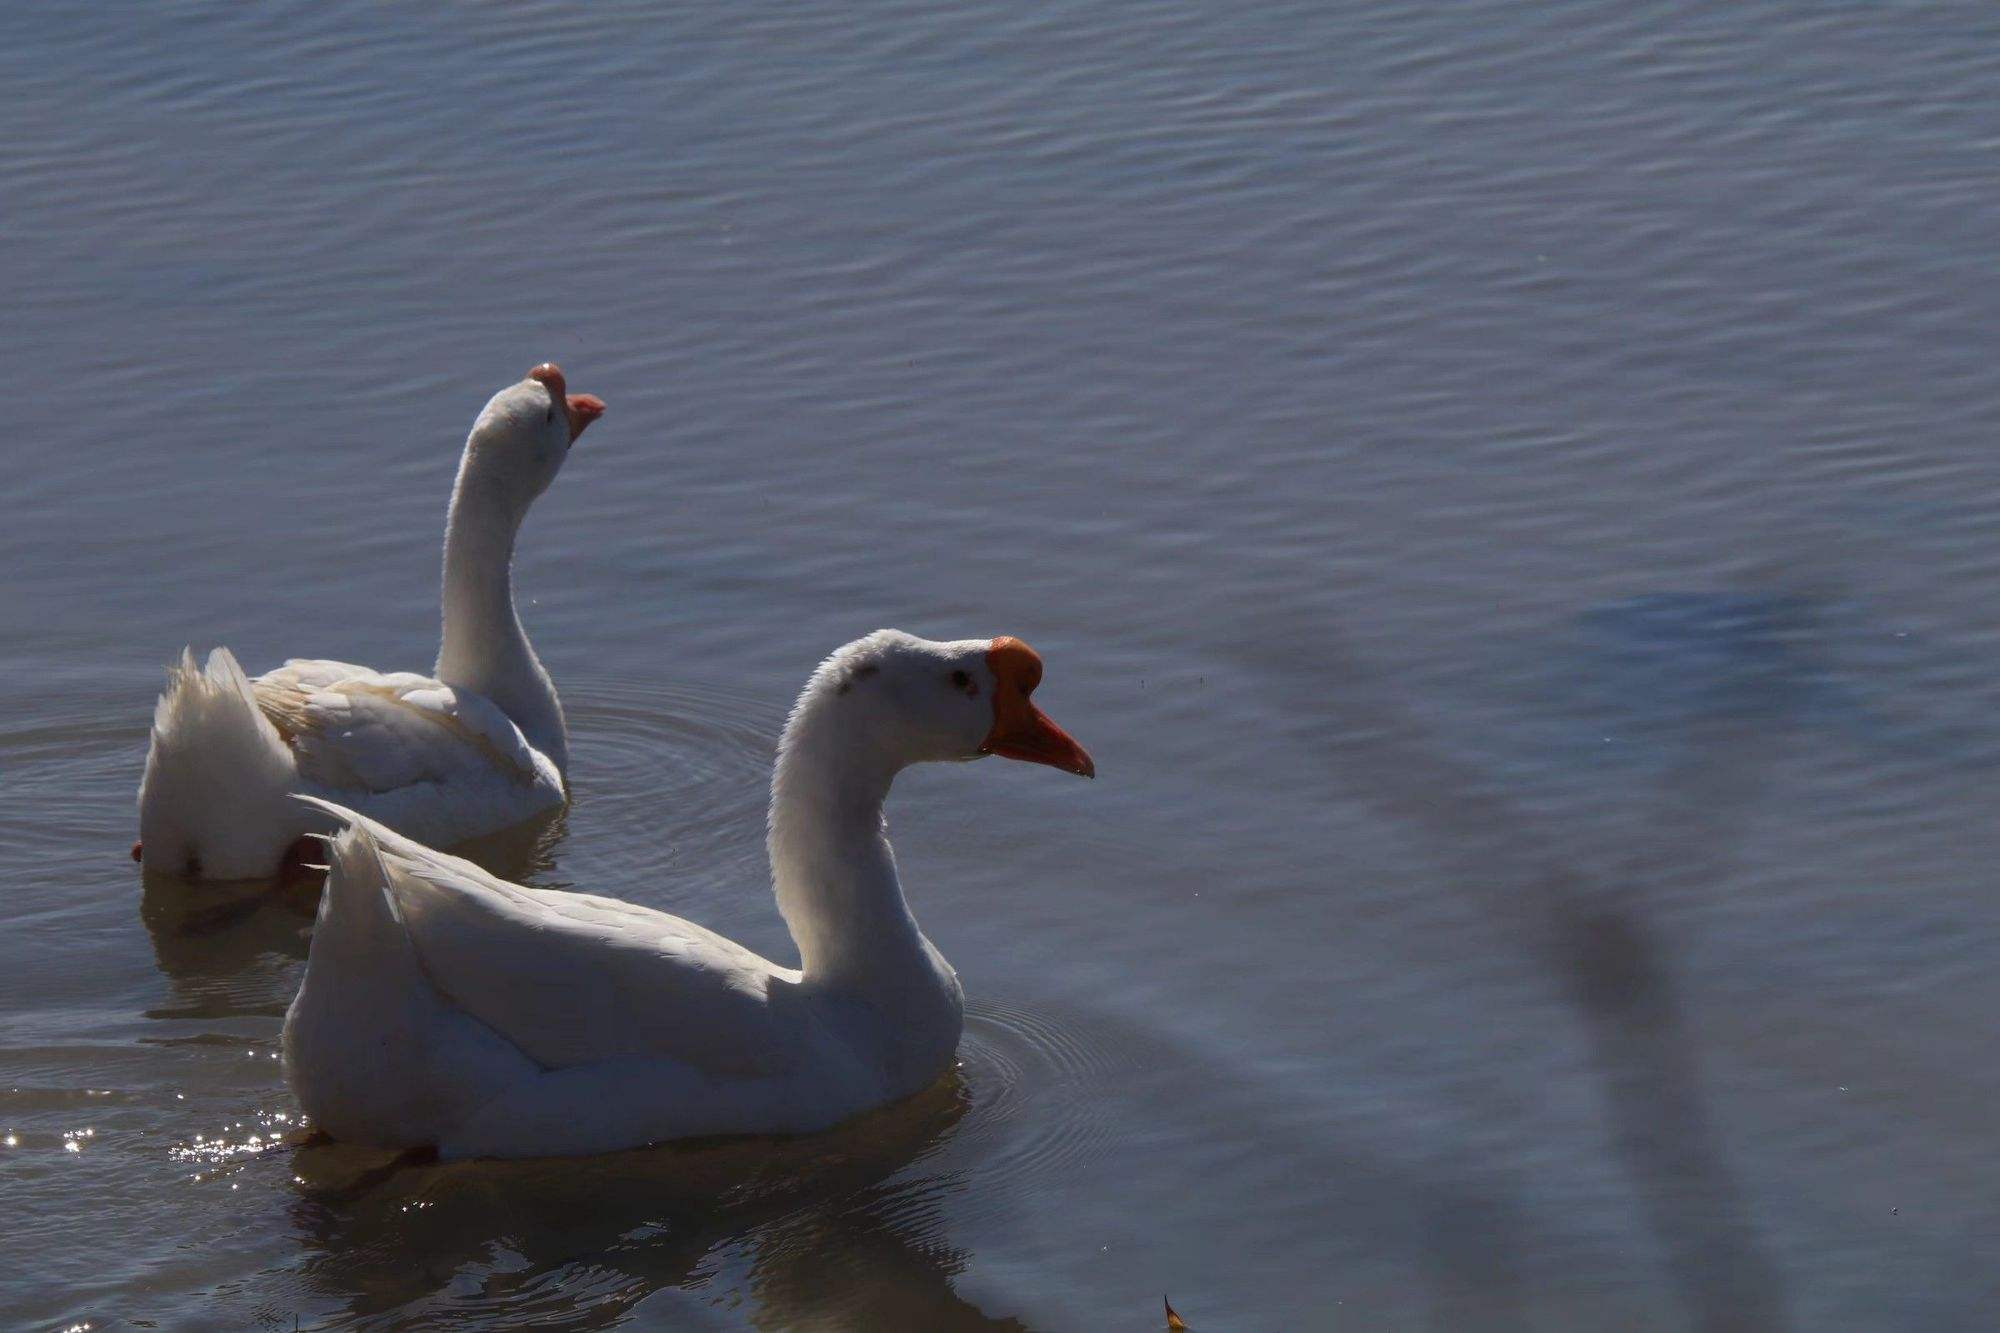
x=1507 y=494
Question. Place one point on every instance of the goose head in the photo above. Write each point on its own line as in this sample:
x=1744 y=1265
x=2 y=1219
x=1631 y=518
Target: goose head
x=524 y=433
x=917 y=700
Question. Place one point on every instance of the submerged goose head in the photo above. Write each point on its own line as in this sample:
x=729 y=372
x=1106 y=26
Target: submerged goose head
x=899 y=700
x=524 y=433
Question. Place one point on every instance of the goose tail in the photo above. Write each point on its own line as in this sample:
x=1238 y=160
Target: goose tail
x=358 y=907
x=212 y=804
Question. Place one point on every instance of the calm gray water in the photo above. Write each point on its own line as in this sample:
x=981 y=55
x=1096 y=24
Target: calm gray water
x=1507 y=494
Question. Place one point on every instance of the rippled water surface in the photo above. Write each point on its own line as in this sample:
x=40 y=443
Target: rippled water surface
x=1507 y=494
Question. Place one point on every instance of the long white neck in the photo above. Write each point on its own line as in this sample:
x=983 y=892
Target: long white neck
x=831 y=864
x=484 y=648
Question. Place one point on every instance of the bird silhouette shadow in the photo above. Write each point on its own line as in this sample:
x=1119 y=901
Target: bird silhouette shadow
x=1593 y=934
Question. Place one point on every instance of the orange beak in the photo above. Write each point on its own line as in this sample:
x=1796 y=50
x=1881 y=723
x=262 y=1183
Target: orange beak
x=583 y=408
x=1021 y=730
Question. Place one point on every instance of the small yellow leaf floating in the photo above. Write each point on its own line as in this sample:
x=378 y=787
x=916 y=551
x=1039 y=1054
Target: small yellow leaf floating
x=1174 y=1321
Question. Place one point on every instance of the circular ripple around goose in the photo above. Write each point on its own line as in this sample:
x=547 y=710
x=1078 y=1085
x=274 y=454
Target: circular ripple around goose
x=667 y=774
x=1041 y=1089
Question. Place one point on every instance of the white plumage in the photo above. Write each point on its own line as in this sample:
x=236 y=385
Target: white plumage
x=477 y=748
x=444 y=1007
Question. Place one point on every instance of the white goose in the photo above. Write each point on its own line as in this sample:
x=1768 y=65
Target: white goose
x=445 y=1008
x=478 y=748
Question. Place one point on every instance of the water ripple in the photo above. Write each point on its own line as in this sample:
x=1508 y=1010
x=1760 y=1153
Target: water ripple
x=1043 y=1086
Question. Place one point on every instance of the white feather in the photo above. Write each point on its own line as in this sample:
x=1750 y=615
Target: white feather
x=212 y=801
x=443 y=1006
x=479 y=749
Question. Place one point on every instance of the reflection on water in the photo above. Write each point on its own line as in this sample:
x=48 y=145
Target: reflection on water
x=523 y=852
x=836 y=1230
x=846 y=1229
x=213 y=935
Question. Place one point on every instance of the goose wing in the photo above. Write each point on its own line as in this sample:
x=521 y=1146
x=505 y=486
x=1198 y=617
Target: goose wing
x=358 y=730
x=573 y=979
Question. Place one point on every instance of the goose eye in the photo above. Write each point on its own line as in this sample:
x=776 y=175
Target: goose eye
x=961 y=681
x=549 y=415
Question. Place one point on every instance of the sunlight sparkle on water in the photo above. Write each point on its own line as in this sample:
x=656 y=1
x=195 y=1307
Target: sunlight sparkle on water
x=220 y=1147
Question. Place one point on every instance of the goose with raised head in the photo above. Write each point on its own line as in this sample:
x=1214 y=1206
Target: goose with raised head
x=475 y=747
x=445 y=1008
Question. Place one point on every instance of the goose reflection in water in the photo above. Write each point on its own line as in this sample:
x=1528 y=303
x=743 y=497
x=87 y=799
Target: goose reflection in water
x=841 y=1229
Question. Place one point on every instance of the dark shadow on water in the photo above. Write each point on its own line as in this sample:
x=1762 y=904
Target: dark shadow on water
x=837 y=1230
x=1685 y=654
x=1595 y=938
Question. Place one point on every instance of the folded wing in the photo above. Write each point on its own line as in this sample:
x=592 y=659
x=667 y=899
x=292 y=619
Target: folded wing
x=573 y=979
x=357 y=730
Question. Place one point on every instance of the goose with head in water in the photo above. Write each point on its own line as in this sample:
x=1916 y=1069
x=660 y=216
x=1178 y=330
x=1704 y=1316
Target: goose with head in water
x=445 y=1008
x=475 y=747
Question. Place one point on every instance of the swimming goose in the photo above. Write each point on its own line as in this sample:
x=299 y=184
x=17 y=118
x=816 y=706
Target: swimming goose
x=445 y=1008
x=477 y=746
